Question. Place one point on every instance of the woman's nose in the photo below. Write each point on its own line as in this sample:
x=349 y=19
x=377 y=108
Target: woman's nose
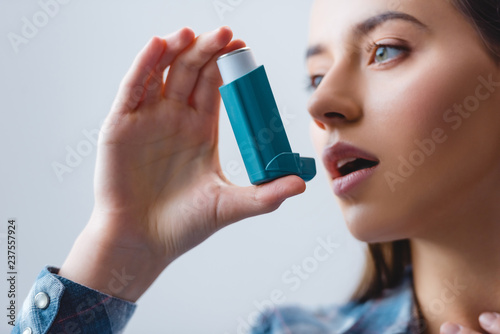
x=335 y=101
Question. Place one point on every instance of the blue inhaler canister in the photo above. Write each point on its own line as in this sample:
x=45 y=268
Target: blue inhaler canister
x=256 y=121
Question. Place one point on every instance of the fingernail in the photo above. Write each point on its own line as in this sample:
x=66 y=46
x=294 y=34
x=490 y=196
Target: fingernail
x=487 y=319
x=449 y=328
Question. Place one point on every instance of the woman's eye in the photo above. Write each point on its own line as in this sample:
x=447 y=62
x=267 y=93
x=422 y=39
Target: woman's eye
x=315 y=81
x=384 y=53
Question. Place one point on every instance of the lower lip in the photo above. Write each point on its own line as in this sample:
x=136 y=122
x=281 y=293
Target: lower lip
x=345 y=184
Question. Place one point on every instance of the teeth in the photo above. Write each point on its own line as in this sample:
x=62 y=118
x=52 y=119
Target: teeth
x=342 y=162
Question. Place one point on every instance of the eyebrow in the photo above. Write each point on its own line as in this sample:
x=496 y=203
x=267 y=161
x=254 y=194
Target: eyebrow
x=369 y=25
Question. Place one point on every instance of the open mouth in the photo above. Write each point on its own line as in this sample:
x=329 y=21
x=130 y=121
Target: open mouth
x=342 y=159
x=350 y=165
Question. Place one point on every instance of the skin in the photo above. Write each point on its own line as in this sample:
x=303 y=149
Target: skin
x=159 y=191
x=159 y=188
x=448 y=206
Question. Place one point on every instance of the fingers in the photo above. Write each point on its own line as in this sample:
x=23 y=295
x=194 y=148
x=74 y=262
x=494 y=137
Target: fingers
x=143 y=83
x=255 y=200
x=144 y=80
x=185 y=70
x=175 y=44
x=206 y=97
x=451 y=328
x=490 y=321
x=133 y=84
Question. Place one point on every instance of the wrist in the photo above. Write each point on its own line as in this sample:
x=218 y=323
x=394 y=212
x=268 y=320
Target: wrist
x=98 y=261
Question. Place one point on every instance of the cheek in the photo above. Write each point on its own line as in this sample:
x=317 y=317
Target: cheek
x=409 y=110
x=405 y=114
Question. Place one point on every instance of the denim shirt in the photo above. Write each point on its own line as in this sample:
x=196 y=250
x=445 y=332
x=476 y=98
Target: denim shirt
x=394 y=312
x=74 y=308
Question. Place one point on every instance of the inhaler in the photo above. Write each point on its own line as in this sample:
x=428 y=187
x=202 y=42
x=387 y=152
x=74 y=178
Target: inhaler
x=256 y=121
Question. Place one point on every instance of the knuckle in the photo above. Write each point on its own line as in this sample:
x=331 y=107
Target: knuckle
x=205 y=51
x=210 y=77
x=189 y=64
x=176 y=95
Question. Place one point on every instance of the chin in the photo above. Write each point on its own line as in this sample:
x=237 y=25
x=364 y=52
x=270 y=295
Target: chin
x=371 y=226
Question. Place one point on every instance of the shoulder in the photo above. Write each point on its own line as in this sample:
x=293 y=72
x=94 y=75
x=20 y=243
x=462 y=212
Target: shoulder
x=391 y=313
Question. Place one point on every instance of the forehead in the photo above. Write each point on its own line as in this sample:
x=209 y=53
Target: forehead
x=333 y=20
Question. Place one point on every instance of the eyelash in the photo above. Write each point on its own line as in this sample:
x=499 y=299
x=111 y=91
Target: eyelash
x=374 y=46
x=370 y=49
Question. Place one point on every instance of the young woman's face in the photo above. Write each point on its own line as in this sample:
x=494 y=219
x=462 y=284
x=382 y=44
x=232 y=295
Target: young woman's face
x=425 y=107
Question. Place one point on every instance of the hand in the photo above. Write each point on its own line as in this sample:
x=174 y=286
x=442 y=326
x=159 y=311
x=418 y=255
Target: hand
x=159 y=188
x=489 y=321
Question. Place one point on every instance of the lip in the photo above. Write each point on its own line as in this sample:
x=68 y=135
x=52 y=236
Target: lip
x=344 y=184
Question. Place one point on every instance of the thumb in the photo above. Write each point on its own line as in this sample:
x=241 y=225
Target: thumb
x=244 y=202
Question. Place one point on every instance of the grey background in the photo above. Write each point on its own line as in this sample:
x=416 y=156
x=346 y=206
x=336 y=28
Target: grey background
x=63 y=82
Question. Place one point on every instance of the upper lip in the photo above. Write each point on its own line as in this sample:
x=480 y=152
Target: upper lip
x=340 y=150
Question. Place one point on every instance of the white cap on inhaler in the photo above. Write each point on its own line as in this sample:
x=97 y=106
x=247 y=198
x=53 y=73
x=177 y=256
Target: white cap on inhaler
x=235 y=64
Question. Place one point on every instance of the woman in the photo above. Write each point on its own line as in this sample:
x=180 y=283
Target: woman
x=405 y=119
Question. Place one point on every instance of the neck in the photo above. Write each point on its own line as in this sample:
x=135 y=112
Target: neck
x=457 y=269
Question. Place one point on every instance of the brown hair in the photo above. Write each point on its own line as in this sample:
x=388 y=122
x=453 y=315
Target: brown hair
x=386 y=262
x=484 y=15
x=385 y=268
